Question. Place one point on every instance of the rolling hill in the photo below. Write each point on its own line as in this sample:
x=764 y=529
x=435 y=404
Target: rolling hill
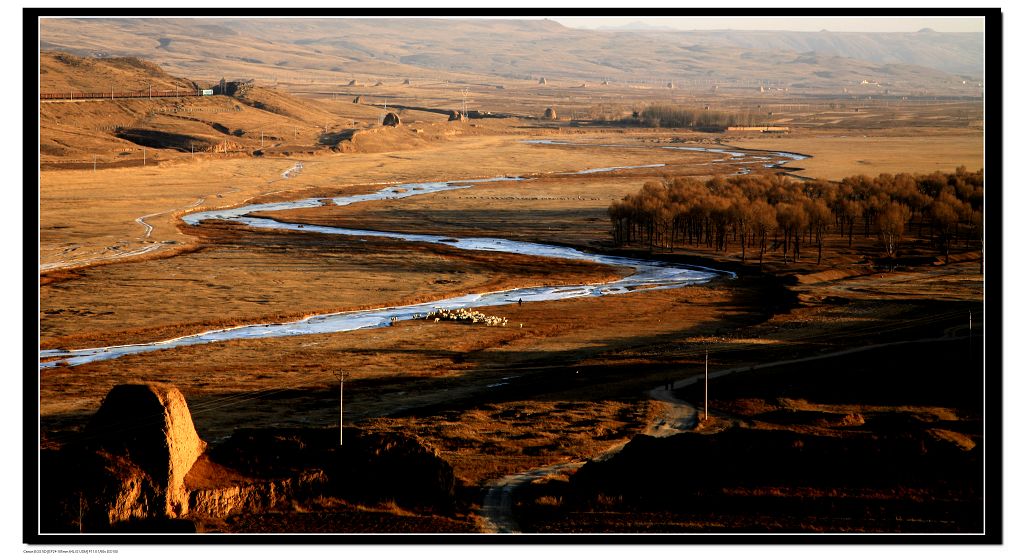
x=115 y=131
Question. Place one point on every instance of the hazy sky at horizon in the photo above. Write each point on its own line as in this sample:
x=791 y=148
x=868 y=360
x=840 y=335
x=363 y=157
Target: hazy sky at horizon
x=837 y=24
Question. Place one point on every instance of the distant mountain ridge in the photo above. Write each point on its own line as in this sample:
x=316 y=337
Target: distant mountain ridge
x=635 y=26
x=527 y=49
x=956 y=53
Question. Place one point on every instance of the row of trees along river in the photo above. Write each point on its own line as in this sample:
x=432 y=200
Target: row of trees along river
x=768 y=212
x=680 y=117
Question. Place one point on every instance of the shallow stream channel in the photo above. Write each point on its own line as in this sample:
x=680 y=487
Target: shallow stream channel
x=647 y=274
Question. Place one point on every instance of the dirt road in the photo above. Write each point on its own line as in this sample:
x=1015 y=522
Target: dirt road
x=678 y=416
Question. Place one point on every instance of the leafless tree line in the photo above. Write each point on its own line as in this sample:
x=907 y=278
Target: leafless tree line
x=769 y=212
x=670 y=116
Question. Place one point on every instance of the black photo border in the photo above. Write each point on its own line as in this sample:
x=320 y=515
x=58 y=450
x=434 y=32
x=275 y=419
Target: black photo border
x=993 y=301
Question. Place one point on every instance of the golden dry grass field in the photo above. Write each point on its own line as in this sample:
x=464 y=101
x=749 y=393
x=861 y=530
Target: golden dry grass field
x=845 y=155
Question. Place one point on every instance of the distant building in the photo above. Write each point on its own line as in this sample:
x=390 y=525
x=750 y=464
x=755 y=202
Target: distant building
x=233 y=88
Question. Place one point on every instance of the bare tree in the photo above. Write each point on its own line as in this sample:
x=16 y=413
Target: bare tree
x=891 y=221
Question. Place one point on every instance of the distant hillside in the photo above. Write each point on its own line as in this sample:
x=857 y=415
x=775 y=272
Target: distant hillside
x=527 y=49
x=115 y=131
x=61 y=71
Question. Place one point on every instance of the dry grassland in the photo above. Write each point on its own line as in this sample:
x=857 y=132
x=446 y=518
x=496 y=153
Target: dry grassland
x=237 y=276
x=87 y=215
x=567 y=210
x=413 y=365
x=846 y=155
x=548 y=209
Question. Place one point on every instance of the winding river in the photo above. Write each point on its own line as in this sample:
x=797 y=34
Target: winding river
x=647 y=274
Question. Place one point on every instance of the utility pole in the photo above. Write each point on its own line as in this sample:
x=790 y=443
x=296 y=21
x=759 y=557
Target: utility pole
x=143 y=157
x=151 y=90
x=706 y=411
x=970 y=337
x=94 y=164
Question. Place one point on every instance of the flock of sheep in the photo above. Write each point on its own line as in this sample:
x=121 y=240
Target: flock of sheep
x=461 y=315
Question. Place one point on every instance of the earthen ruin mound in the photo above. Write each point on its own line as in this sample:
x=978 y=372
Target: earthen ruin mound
x=127 y=471
x=150 y=425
